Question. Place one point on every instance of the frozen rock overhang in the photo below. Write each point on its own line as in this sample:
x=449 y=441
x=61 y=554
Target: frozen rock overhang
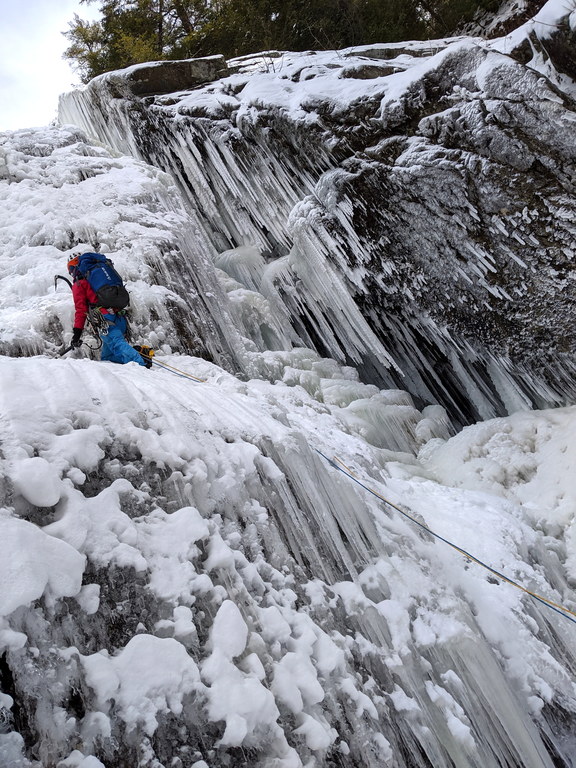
x=160 y=77
x=412 y=204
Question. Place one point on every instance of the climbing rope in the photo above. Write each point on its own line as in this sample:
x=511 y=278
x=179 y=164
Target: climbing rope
x=341 y=467
x=562 y=610
x=175 y=371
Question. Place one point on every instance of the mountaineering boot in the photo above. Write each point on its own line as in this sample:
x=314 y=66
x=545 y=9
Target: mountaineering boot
x=147 y=353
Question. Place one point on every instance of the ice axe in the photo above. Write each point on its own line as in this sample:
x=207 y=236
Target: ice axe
x=61 y=277
x=56 y=278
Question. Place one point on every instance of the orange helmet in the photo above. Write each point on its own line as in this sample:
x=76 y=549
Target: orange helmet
x=72 y=263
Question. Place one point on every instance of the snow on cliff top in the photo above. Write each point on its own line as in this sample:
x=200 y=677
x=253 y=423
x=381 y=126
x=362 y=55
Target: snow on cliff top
x=299 y=82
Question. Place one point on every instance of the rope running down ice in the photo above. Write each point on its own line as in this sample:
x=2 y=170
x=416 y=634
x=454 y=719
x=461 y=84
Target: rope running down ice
x=341 y=467
x=562 y=610
x=175 y=371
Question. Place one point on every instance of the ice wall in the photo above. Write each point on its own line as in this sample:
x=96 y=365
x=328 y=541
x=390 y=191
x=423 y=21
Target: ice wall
x=185 y=581
x=411 y=205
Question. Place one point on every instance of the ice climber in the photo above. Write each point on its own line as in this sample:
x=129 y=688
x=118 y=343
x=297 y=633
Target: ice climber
x=110 y=322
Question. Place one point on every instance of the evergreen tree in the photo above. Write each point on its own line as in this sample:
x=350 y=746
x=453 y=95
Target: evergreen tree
x=128 y=32
x=133 y=31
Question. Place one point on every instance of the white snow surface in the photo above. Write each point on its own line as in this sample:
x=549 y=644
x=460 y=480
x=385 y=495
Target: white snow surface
x=489 y=490
x=269 y=601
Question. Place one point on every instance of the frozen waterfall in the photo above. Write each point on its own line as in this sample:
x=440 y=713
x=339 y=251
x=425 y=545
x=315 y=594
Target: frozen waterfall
x=185 y=580
x=410 y=206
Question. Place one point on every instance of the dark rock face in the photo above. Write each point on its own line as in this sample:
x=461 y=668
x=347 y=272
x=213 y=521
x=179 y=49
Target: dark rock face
x=562 y=49
x=478 y=236
x=426 y=218
x=510 y=15
x=169 y=76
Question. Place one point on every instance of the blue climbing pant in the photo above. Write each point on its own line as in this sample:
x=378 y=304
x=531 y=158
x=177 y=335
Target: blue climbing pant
x=115 y=348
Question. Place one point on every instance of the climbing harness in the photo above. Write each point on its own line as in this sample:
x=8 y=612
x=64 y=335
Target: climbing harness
x=96 y=320
x=561 y=609
x=98 y=323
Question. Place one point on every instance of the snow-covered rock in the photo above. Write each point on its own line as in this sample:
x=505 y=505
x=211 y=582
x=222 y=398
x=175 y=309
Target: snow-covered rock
x=412 y=205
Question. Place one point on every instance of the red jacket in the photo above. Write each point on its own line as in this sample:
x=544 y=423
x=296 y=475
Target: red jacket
x=84 y=297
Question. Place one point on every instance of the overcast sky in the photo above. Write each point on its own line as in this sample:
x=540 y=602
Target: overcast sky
x=32 y=71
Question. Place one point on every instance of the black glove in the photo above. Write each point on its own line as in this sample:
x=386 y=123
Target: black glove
x=76 y=338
